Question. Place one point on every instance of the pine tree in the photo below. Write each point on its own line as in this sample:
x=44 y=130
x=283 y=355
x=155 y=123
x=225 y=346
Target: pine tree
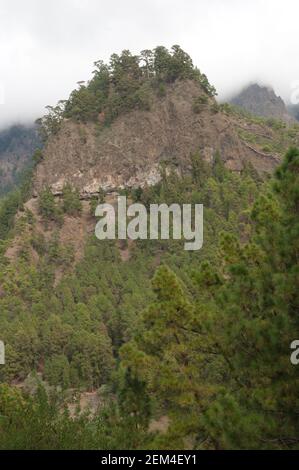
x=255 y=323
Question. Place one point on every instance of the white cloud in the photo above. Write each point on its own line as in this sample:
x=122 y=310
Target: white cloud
x=46 y=47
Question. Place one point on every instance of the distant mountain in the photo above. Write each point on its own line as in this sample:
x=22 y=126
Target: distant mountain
x=293 y=110
x=262 y=101
x=17 y=144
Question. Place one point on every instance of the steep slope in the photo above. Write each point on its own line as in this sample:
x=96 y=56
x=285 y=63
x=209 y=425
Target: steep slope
x=262 y=101
x=129 y=151
x=17 y=144
x=71 y=304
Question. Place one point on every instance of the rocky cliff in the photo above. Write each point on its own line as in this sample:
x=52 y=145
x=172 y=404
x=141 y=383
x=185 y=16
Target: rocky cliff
x=262 y=101
x=130 y=151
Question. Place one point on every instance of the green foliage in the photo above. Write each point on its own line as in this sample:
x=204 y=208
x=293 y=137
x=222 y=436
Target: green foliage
x=71 y=200
x=218 y=362
x=8 y=208
x=42 y=422
x=37 y=156
x=172 y=65
x=50 y=123
x=133 y=398
x=127 y=82
x=199 y=104
x=96 y=200
x=11 y=203
x=48 y=207
x=209 y=89
x=205 y=343
x=215 y=108
x=57 y=370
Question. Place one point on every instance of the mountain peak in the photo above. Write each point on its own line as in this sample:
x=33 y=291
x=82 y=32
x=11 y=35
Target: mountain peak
x=139 y=113
x=262 y=101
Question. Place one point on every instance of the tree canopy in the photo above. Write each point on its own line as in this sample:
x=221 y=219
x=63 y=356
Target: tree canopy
x=125 y=83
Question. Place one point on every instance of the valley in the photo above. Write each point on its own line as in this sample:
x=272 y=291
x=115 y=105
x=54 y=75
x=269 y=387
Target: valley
x=140 y=344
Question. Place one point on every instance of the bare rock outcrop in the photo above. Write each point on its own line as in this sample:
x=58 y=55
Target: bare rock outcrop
x=262 y=101
x=130 y=152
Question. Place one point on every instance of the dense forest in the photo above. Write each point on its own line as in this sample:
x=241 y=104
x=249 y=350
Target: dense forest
x=197 y=340
x=203 y=339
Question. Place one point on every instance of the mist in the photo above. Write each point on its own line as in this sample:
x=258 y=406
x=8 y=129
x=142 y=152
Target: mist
x=45 y=48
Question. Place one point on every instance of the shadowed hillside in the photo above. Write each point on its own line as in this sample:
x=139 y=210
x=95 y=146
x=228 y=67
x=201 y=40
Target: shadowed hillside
x=17 y=145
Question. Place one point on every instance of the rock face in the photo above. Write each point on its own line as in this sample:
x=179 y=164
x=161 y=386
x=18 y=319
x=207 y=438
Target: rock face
x=129 y=152
x=17 y=144
x=262 y=101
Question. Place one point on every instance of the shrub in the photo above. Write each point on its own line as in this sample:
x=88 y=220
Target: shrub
x=199 y=103
x=71 y=200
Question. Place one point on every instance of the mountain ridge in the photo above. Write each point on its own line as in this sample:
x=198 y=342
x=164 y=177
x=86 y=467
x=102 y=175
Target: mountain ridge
x=261 y=100
x=129 y=152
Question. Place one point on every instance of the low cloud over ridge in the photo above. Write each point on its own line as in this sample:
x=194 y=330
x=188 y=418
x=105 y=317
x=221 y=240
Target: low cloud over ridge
x=45 y=48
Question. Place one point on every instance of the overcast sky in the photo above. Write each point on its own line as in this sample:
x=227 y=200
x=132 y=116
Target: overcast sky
x=46 y=46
